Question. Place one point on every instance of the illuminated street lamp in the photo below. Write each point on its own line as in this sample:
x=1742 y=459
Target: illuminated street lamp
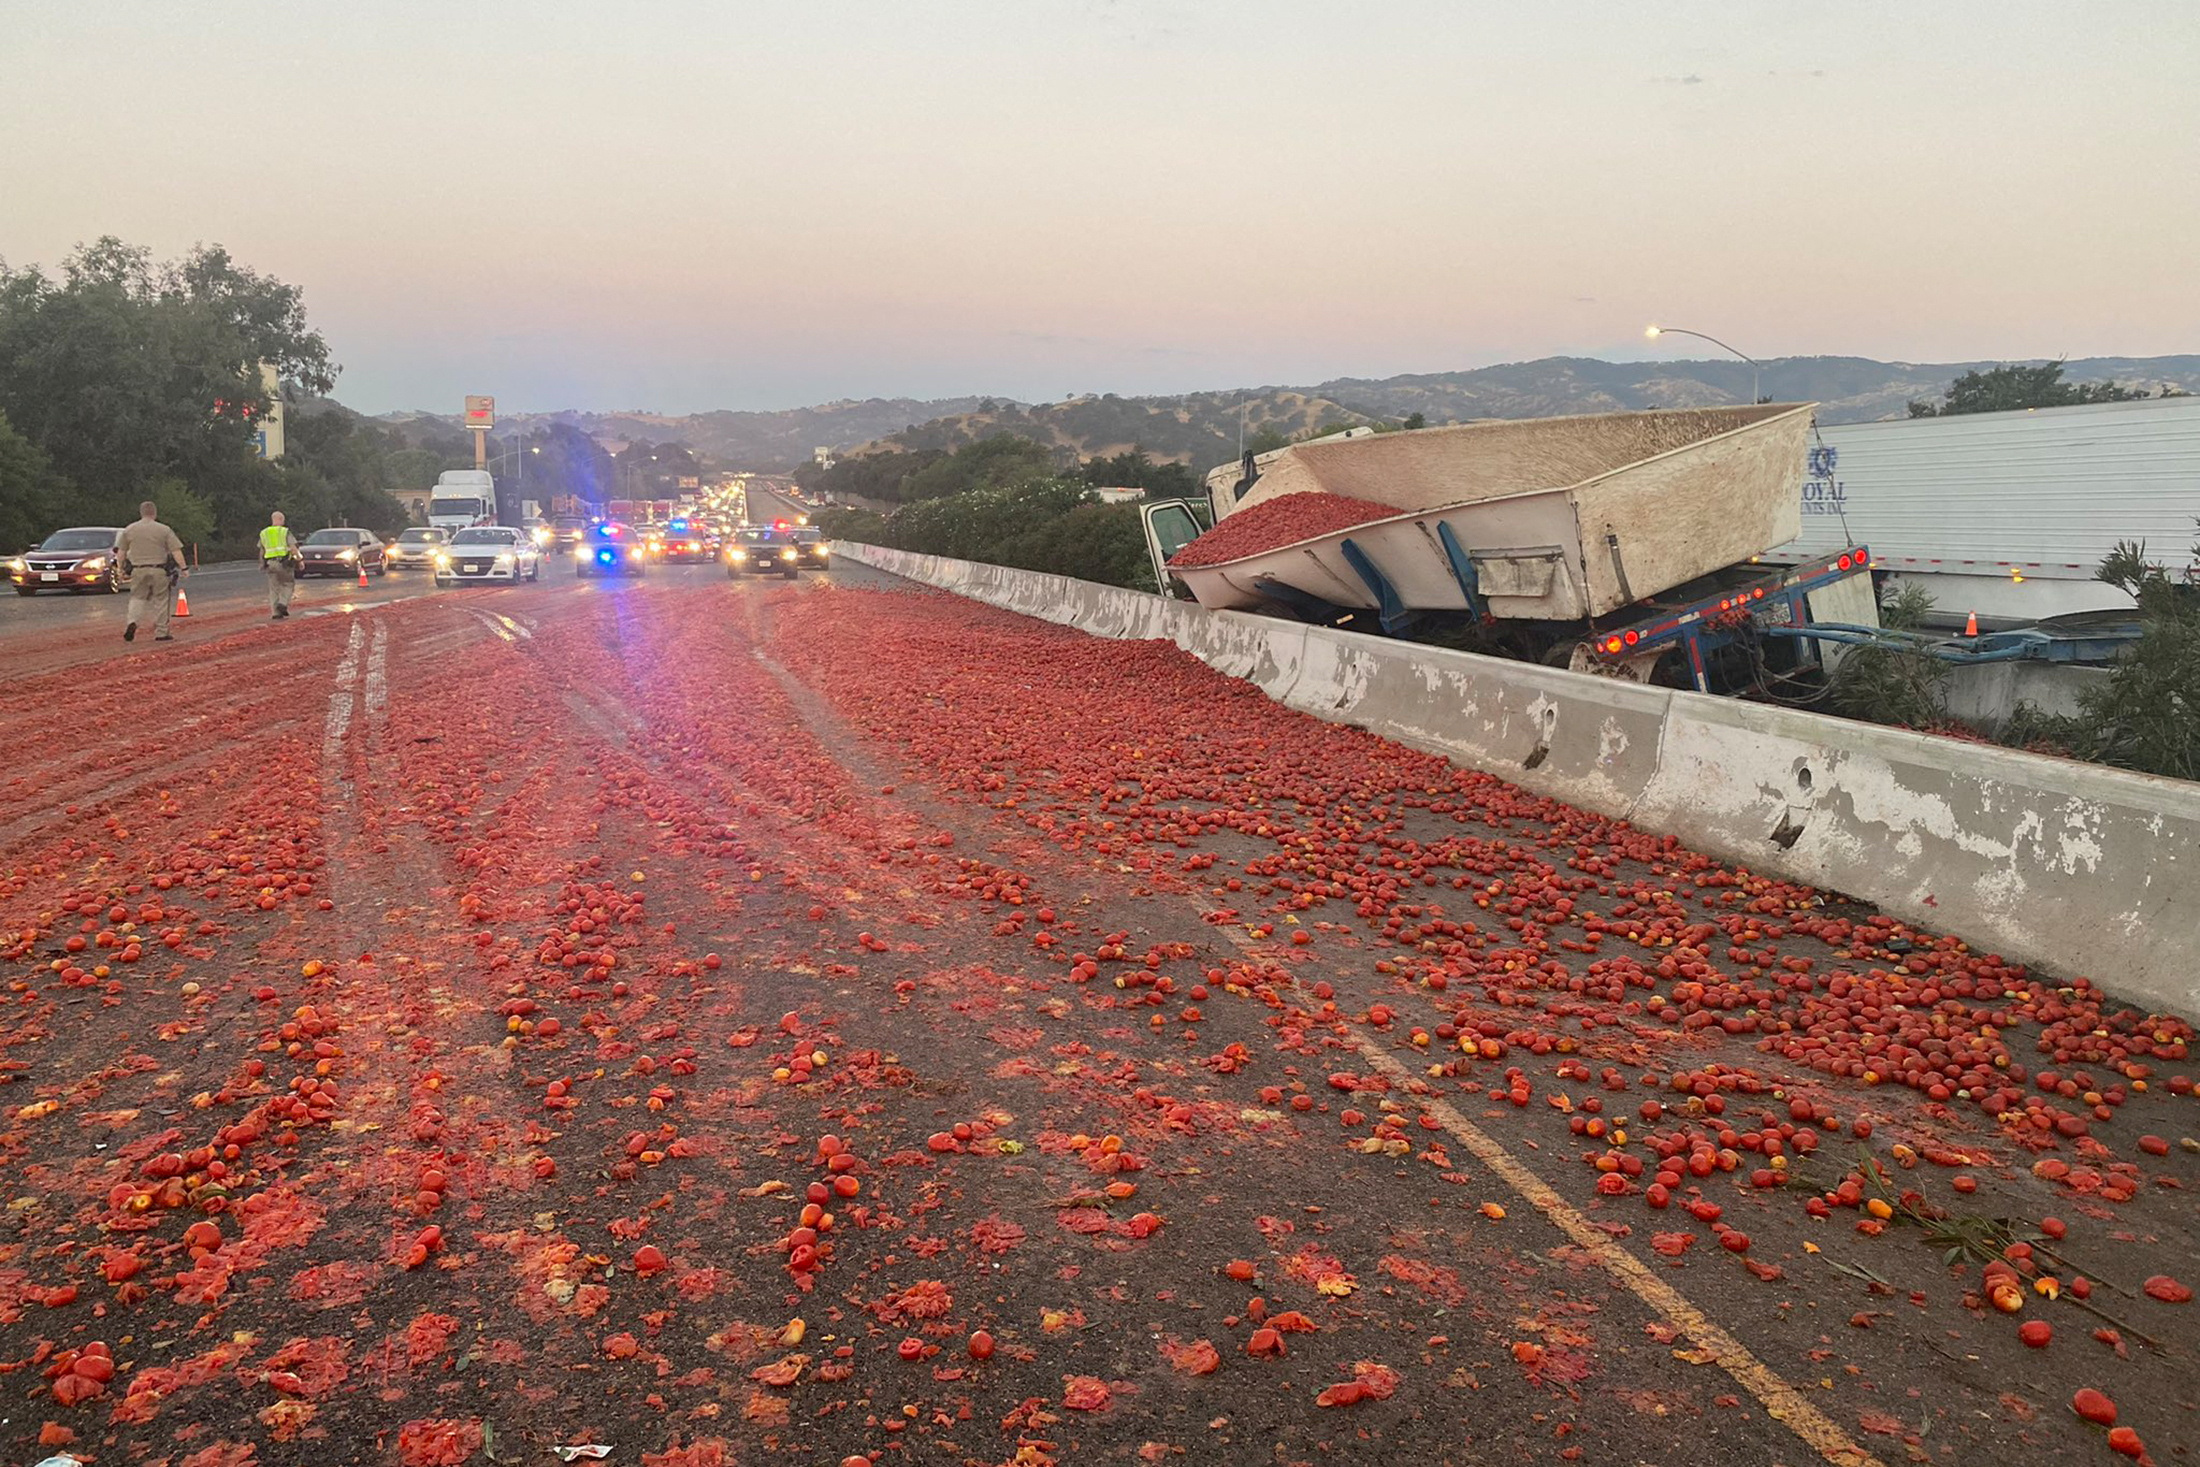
x=1654 y=332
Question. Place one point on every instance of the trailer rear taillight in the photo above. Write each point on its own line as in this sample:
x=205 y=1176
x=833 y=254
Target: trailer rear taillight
x=1613 y=644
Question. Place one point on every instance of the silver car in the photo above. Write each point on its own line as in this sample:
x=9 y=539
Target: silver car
x=488 y=553
x=417 y=547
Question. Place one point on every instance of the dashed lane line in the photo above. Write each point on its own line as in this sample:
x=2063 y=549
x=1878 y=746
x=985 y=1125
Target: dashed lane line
x=377 y=692
x=340 y=700
x=1780 y=1399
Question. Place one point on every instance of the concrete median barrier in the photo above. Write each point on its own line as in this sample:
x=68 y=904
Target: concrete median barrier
x=2072 y=867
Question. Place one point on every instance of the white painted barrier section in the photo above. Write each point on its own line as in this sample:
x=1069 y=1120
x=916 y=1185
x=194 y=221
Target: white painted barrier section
x=2070 y=867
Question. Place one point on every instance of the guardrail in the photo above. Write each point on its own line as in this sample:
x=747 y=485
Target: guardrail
x=2070 y=867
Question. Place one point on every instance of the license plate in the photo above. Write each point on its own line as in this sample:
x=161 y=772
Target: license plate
x=49 y=575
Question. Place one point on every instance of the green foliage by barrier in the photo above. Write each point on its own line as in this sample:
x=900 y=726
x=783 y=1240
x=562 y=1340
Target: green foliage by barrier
x=2144 y=716
x=1896 y=685
x=1045 y=525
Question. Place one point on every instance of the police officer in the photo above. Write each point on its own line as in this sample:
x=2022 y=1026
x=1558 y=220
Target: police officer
x=152 y=557
x=279 y=555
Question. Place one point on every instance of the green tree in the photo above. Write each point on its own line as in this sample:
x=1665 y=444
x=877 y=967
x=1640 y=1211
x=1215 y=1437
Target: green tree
x=126 y=373
x=1137 y=470
x=564 y=462
x=2017 y=386
x=190 y=515
x=999 y=461
x=867 y=476
x=31 y=493
x=1414 y=420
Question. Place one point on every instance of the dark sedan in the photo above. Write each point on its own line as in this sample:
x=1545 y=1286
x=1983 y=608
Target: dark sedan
x=779 y=548
x=609 y=549
x=80 y=559
x=343 y=552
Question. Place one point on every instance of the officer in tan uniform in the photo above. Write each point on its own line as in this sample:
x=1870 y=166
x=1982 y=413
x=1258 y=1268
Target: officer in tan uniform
x=152 y=557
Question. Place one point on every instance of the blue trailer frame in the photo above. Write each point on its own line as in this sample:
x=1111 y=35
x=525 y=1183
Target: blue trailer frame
x=1714 y=622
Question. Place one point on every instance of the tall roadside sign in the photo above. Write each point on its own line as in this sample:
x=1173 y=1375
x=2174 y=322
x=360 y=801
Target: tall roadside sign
x=268 y=433
x=481 y=416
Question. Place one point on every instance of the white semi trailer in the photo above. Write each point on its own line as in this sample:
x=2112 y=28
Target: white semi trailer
x=2007 y=515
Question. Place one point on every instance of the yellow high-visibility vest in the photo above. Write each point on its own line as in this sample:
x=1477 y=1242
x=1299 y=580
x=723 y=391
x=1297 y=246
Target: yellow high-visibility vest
x=274 y=542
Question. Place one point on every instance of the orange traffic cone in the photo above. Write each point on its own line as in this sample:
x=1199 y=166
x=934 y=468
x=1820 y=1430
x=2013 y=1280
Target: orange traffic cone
x=1970 y=625
x=183 y=604
x=362 y=578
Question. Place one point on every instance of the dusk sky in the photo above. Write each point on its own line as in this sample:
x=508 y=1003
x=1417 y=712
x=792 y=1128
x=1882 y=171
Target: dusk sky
x=691 y=206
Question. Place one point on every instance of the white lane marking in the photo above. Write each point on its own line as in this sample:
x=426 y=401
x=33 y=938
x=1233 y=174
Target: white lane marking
x=340 y=701
x=503 y=626
x=378 y=683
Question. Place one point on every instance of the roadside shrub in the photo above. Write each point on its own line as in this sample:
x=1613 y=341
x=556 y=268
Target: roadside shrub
x=1042 y=525
x=1893 y=684
x=2147 y=715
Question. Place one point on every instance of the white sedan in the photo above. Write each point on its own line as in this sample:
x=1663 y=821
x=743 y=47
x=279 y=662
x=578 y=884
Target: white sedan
x=488 y=553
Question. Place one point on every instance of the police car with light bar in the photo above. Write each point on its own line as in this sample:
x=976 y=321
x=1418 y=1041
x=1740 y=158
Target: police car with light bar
x=609 y=548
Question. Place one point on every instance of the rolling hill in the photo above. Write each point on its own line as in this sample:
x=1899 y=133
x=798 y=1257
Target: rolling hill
x=1201 y=428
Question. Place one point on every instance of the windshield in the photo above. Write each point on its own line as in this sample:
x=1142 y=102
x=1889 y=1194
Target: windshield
x=421 y=537
x=79 y=540
x=454 y=506
x=482 y=535
x=333 y=537
x=569 y=522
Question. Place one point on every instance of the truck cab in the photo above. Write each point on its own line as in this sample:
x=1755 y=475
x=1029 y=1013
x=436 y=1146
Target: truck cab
x=461 y=499
x=452 y=511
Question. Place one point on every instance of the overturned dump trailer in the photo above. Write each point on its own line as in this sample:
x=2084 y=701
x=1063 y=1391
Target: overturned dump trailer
x=1601 y=542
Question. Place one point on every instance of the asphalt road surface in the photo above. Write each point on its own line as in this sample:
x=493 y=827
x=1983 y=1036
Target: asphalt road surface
x=763 y=1022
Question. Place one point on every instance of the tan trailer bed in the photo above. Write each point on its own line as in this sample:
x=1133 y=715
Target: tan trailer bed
x=1556 y=519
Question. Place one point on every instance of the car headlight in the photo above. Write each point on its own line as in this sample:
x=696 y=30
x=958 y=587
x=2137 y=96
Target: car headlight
x=737 y=554
x=787 y=554
x=442 y=558
x=504 y=562
x=97 y=562
x=542 y=537
x=347 y=555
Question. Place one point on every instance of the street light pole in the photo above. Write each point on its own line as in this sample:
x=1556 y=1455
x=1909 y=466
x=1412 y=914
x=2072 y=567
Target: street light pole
x=1754 y=395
